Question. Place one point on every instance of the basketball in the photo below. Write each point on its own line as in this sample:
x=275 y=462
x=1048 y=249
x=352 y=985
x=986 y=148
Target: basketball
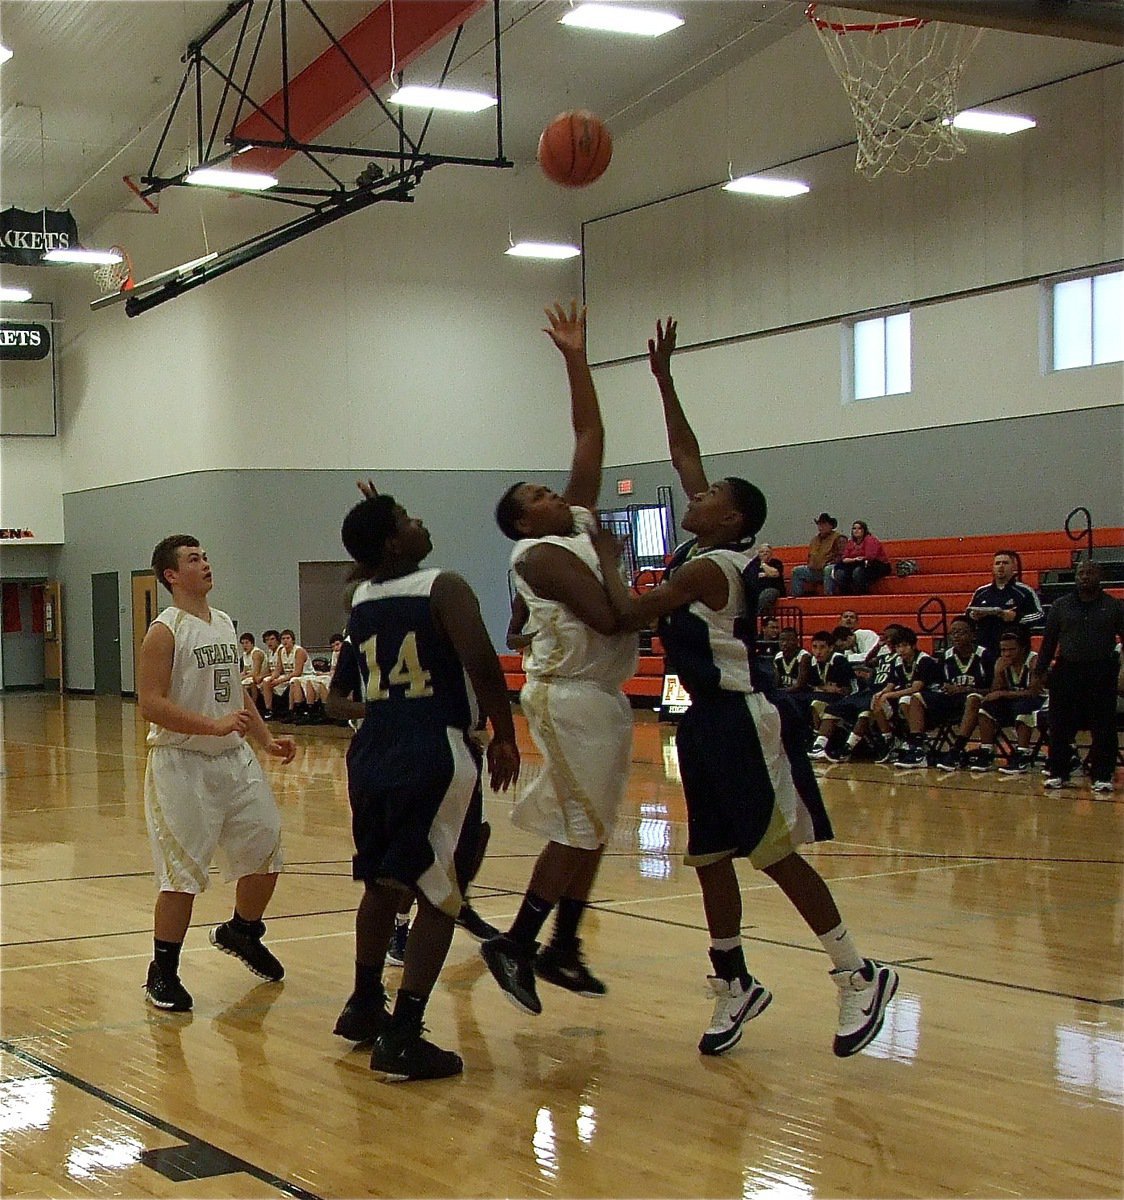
x=574 y=149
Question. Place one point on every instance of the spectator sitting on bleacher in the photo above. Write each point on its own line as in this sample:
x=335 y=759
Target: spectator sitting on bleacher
x=831 y=677
x=767 y=572
x=855 y=710
x=1014 y=701
x=967 y=671
x=867 y=642
x=823 y=552
x=997 y=605
x=862 y=563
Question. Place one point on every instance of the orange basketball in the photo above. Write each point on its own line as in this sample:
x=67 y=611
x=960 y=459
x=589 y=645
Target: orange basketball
x=574 y=149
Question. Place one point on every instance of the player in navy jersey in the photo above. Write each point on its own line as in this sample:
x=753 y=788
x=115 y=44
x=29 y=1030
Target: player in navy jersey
x=749 y=787
x=1002 y=603
x=832 y=679
x=854 y=710
x=419 y=654
x=967 y=671
x=912 y=672
x=1015 y=699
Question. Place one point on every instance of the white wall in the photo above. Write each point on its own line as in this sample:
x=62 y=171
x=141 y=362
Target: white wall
x=399 y=337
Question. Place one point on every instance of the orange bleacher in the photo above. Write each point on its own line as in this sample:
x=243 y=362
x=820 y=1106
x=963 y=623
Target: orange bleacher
x=949 y=567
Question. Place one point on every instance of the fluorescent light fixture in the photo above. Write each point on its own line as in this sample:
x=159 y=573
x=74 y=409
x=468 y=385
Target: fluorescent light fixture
x=542 y=250
x=77 y=254
x=613 y=18
x=232 y=181
x=5 y=53
x=762 y=185
x=417 y=95
x=15 y=294
x=991 y=122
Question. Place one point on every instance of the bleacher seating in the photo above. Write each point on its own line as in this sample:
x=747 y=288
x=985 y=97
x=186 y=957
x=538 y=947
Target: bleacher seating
x=949 y=567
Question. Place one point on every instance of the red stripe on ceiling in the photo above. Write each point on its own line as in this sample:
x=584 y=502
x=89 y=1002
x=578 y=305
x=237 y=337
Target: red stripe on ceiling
x=327 y=89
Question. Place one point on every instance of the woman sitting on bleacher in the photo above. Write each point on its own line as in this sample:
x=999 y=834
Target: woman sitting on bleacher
x=863 y=563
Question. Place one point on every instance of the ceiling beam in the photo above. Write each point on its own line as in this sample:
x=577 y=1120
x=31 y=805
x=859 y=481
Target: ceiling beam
x=1083 y=20
x=328 y=88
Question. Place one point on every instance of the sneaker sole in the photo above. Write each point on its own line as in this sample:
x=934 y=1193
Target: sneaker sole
x=498 y=976
x=753 y=1009
x=166 y=1007
x=876 y=1028
x=249 y=966
x=392 y=960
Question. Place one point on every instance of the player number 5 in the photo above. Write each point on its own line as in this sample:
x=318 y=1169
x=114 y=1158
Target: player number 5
x=222 y=684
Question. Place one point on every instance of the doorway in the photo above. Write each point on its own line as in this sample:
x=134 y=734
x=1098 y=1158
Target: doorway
x=105 y=603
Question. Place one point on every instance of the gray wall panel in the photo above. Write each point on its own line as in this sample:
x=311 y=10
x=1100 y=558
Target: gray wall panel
x=257 y=527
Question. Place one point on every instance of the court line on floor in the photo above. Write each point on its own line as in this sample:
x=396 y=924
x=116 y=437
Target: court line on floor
x=92 y=1089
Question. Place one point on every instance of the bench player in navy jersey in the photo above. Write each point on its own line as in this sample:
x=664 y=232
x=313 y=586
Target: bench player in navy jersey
x=1015 y=700
x=832 y=678
x=968 y=669
x=912 y=672
x=749 y=787
x=855 y=710
x=418 y=653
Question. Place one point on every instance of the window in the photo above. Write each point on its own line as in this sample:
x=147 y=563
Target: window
x=1087 y=321
x=877 y=357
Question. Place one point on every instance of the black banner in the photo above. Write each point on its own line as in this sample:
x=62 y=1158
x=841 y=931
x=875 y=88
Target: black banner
x=21 y=339
x=26 y=236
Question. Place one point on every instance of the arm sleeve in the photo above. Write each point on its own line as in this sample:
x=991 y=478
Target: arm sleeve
x=1031 y=606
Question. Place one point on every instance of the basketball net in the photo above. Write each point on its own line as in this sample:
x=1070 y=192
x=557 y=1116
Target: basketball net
x=902 y=79
x=115 y=276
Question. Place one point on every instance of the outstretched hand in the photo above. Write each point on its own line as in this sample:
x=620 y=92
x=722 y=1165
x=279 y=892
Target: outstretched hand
x=567 y=329
x=661 y=348
x=368 y=489
x=283 y=748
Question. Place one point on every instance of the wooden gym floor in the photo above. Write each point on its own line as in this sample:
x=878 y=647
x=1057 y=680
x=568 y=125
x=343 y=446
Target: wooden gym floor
x=1000 y=1071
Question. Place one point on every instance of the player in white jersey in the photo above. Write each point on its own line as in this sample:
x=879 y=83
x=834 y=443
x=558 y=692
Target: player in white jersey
x=578 y=716
x=203 y=787
x=297 y=676
x=254 y=667
x=749 y=787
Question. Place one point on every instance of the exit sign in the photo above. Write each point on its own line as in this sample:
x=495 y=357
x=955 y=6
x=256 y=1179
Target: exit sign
x=624 y=487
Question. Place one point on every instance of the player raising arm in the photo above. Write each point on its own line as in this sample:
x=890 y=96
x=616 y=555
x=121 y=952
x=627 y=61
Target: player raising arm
x=749 y=788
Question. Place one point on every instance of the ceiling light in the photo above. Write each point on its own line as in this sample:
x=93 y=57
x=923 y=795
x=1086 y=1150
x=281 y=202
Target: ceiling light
x=989 y=122
x=416 y=95
x=761 y=185
x=5 y=53
x=77 y=254
x=232 y=181
x=15 y=294
x=542 y=250
x=612 y=18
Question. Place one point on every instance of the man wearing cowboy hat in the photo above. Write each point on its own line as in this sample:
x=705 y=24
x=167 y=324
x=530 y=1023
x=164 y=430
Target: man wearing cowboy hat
x=823 y=550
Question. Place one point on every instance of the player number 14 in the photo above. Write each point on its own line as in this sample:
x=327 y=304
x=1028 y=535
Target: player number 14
x=407 y=670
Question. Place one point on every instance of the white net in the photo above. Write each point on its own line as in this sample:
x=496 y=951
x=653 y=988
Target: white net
x=902 y=79
x=113 y=277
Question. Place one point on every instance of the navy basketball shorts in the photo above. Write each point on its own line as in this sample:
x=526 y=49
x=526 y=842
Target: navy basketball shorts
x=415 y=811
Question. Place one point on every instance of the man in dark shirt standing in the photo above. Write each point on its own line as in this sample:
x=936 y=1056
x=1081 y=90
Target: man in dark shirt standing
x=1082 y=629
x=997 y=605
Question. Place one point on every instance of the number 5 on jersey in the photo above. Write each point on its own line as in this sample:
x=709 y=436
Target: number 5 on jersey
x=407 y=671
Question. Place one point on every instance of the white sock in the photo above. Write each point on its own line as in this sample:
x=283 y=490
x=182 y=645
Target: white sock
x=853 y=740
x=401 y=919
x=821 y=742
x=841 y=950
x=731 y=943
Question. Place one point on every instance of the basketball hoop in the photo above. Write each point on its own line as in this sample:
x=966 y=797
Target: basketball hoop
x=902 y=78
x=115 y=276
